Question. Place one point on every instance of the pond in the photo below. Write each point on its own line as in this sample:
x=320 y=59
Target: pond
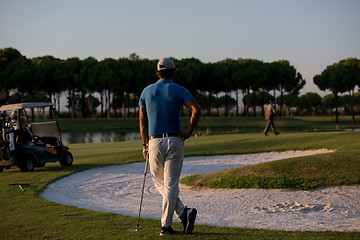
x=352 y=129
x=99 y=137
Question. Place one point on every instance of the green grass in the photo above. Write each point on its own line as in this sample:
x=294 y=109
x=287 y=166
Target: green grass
x=216 y=125
x=308 y=173
x=24 y=215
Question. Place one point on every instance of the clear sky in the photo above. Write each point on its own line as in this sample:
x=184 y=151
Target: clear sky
x=311 y=34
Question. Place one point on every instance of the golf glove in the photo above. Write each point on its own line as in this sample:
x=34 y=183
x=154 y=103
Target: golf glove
x=145 y=151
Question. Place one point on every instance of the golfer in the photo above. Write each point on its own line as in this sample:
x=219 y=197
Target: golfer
x=269 y=117
x=162 y=137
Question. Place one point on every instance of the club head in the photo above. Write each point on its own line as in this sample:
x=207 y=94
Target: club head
x=133 y=230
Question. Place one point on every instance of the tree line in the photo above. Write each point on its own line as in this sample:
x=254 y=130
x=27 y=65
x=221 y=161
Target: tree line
x=114 y=85
x=341 y=77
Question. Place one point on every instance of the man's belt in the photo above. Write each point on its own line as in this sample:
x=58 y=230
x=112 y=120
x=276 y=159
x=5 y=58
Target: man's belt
x=164 y=135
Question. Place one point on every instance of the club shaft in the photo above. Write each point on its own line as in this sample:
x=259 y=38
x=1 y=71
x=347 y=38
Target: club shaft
x=142 y=192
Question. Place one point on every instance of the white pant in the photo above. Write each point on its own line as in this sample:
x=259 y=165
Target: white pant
x=166 y=156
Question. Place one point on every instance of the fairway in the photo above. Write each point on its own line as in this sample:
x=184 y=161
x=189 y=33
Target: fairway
x=27 y=210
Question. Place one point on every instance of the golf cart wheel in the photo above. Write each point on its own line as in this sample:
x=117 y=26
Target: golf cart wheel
x=28 y=165
x=1 y=169
x=67 y=159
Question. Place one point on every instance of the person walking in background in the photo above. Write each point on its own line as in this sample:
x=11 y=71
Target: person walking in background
x=269 y=117
x=163 y=141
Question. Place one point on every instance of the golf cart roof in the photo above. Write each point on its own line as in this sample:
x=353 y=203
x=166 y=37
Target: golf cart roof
x=17 y=106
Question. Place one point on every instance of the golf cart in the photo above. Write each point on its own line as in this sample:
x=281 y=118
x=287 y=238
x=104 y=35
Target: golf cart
x=27 y=143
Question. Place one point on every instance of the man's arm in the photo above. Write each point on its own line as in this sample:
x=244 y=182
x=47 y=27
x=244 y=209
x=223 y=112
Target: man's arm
x=194 y=108
x=143 y=122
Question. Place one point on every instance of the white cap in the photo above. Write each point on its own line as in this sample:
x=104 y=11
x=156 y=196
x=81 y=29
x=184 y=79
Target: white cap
x=165 y=64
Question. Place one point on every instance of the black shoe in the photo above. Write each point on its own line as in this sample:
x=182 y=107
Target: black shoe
x=165 y=231
x=277 y=133
x=188 y=219
x=265 y=134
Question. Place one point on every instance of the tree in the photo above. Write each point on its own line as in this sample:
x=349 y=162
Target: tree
x=215 y=83
x=255 y=70
x=7 y=55
x=339 y=78
x=287 y=79
x=134 y=56
x=94 y=104
x=71 y=70
x=302 y=105
x=89 y=84
x=329 y=102
x=357 y=101
x=314 y=101
x=238 y=82
x=249 y=79
x=148 y=69
x=49 y=78
x=226 y=70
x=122 y=81
x=20 y=74
x=106 y=73
x=288 y=100
x=226 y=100
x=189 y=72
x=349 y=71
x=209 y=85
x=268 y=83
x=257 y=99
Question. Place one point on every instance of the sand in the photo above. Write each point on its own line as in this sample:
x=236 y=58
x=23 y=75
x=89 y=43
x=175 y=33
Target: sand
x=117 y=189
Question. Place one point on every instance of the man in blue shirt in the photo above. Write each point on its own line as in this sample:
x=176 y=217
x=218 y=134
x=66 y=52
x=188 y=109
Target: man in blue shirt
x=163 y=140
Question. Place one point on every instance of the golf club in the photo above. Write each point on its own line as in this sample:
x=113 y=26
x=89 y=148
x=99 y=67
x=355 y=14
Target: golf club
x=142 y=194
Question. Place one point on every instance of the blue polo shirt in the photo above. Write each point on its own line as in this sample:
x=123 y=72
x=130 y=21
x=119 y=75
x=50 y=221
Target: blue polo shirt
x=163 y=101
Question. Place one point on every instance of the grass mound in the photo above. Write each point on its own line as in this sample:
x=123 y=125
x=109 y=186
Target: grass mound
x=307 y=173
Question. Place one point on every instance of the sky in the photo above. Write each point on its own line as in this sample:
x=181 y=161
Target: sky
x=310 y=34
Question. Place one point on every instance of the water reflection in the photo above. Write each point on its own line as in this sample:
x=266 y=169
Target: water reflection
x=99 y=137
x=352 y=129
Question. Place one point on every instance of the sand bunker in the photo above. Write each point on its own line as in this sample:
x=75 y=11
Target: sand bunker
x=118 y=188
